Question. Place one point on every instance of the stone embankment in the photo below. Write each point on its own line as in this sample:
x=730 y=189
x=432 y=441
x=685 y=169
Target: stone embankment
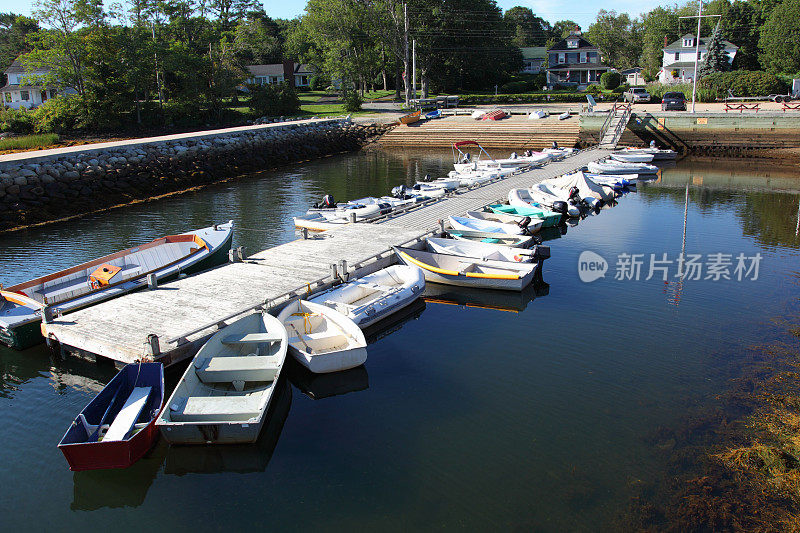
x=39 y=188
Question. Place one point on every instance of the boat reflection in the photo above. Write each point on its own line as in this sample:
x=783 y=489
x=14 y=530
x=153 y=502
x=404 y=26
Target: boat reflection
x=239 y=458
x=96 y=489
x=395 y=321
x=510 y=301
x=319 y=386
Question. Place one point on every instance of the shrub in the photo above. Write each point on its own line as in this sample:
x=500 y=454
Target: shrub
x=657 y=90
x=59 y=115
x=515 y=87
x=610 y=80
x=529 y=98
x=593 y=89
x=319 y=83
x=16 y=120
x=352 y=101
x=619 y=89
x=742 y=83
x=273 y=99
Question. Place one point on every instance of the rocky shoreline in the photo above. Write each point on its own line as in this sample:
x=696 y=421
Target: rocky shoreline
x=54 y=187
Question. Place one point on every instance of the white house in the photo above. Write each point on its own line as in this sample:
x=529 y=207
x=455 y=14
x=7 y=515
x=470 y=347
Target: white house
x=678 y=61
x=22 y=90
x=276 y=73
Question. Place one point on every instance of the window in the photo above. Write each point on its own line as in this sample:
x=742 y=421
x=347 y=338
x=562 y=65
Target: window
x=301 y=80
x=25 y=96
x=44 y=95
x=562 y=58
x=583 y=57
x=677 y=56
x=572 y=43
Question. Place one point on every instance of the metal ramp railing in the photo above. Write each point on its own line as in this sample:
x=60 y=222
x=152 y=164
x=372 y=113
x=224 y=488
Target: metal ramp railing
x=614 y=125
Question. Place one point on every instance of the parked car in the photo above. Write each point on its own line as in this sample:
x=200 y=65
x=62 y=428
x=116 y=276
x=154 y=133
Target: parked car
x=636 y=94
x=673 y=101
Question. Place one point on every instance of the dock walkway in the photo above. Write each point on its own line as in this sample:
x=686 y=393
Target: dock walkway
x=184 y=313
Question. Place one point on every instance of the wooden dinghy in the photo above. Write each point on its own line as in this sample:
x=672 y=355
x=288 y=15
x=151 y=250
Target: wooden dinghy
x=118 y=426
x=411 y=117
x=469 y=271
x=113 y=275
x=323 y=339
x=224 y=395
x=367 y=300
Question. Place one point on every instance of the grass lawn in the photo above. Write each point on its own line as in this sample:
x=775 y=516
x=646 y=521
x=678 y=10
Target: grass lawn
x=328 y=110
x=29 y=142
x=373 y=95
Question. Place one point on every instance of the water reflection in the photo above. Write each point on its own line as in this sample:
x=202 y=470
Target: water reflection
x=319 y=386
x=96 y=489
x=511 y=301
x=239 y=458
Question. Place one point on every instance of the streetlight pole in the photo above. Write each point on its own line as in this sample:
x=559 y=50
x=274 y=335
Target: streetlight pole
x=697 y=51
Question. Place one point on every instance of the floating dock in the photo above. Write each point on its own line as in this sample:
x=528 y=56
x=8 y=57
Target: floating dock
x=171 y=322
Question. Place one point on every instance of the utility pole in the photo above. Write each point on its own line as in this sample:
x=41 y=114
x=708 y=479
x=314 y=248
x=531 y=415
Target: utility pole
x=158 y=79
x=414 y=69
x=700 y=18
x=407 y=61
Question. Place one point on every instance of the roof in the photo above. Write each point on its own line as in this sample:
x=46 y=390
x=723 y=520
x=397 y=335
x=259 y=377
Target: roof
x=16 y=67
x=562 y=44
x=15 y=87
x=534 y=52
x=634 y=70
x=682 y=64
x=276 y=69
x=678 y=45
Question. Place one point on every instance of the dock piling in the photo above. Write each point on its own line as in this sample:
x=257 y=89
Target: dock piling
x=153 y=348
x=152 y=281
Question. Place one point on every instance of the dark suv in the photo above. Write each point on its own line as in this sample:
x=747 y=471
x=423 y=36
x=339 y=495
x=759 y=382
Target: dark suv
x=675 y=101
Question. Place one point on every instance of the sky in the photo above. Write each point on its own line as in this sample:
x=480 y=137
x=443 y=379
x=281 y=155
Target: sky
x=580 y=11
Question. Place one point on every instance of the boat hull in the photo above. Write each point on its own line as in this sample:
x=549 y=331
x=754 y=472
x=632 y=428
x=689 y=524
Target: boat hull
x=84 y=455
x=22 y=337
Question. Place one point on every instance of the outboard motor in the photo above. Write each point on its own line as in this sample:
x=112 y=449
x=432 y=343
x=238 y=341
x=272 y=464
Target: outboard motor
x=523 y=223
x=555 y=145
x=427 y=177
x=399 y=191
x=513 y=155
x=328 y=201
x=573 y=193
x=561 y=207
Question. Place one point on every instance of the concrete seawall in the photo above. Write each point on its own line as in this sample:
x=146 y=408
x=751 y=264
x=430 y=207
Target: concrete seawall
x=730 y=134
x=48 y=185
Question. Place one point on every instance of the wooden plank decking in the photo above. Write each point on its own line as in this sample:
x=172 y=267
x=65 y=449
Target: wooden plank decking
x=119 y=329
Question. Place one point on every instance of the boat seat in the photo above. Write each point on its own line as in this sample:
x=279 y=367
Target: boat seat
x=215 y=408
x=251 y=338
x=128 y=415
x=246 y=368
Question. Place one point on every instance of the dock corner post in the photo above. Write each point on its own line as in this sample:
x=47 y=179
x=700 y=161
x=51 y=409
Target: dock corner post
x=47 y=314
x=153 y=348
x=231 y=256
x=304 y=232
x=343 y=269
x=334 y=272
x=152 y=282
x=352 y=217
x=441 y=225
x=240 y=254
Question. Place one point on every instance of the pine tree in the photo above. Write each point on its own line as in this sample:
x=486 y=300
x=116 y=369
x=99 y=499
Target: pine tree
x=716 y=59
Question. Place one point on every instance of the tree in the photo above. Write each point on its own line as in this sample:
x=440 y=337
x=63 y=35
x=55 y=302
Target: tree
x=779 y=42
x=618 y=38
x=561 y=29
x=658 y=26
x=14 y=30
x=716 y=59
x=529 y=30
x=742 y=23
x=258 y=41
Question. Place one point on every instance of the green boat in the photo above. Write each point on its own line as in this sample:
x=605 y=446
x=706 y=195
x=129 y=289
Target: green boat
x=550 y=218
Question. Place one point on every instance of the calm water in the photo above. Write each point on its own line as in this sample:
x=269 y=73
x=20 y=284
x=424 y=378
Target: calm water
x=463 y=416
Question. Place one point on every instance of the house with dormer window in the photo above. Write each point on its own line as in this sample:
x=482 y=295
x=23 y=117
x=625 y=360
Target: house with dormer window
x=22 y=88
x=679 y=56
x=574 y=61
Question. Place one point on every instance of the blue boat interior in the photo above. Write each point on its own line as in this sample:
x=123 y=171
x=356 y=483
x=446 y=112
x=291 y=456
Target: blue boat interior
x=106 y=406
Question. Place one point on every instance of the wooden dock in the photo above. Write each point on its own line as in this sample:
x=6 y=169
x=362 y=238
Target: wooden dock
x=170 y=323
